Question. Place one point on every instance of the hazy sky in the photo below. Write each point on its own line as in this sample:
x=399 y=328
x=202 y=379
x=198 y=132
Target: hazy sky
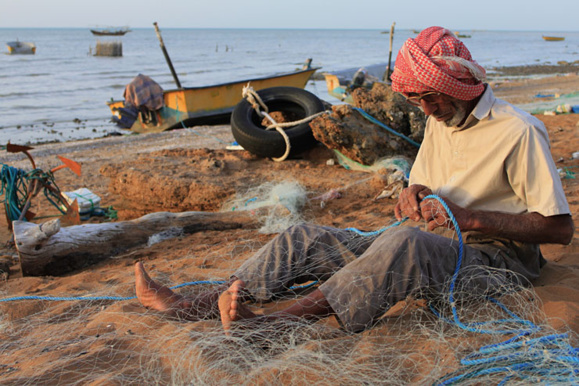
x=559 y=15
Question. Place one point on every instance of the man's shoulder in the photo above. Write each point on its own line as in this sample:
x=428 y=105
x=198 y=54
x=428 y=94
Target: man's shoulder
x=514 y=119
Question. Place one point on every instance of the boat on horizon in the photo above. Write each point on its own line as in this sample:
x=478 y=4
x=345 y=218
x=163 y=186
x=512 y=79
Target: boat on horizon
x=21 y=48
x=461 y=35
x=189 y=106
x=110 y=31
x=553 y=38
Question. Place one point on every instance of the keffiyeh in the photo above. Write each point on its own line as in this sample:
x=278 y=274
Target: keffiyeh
x=437 y=61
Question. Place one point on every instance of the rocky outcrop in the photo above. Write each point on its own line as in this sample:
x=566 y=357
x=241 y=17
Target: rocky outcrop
x=363 y=141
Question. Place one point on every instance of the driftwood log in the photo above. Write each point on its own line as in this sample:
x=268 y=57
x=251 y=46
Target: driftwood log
x=49 y=249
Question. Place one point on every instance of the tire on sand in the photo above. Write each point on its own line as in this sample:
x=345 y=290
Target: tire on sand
x=293 y=102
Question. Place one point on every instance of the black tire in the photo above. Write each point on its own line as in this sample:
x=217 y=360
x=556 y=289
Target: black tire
x=252 y=136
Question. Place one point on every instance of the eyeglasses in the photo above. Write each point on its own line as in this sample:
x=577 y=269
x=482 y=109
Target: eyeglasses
x=429 y=97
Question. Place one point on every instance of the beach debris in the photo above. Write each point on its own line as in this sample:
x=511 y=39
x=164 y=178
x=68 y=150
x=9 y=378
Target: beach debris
x=564 y=108
x=87 y=200
x=23 y=186
x=566 y=173
x=234 y=146
x=396 y=182
x=51 y=249
x=541 y=95
x=332 y=194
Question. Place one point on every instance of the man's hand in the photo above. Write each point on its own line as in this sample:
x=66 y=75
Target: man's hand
x=409 y=202
x=435 y=215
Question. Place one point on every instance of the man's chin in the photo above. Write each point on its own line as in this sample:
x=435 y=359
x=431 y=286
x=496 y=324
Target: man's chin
x=456 y=119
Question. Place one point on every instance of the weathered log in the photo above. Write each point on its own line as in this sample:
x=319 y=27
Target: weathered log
x=49 y=249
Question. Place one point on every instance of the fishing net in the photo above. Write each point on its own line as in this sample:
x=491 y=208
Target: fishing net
x=457 y=336
x=284 y=202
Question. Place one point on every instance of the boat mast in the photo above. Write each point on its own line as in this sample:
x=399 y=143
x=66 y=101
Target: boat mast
x=386 y=77
x=167 y=55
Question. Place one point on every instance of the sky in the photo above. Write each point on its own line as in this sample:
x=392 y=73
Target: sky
x=532 y=15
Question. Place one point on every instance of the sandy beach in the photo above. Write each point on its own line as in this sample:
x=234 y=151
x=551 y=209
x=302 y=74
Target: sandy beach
x=108 y=341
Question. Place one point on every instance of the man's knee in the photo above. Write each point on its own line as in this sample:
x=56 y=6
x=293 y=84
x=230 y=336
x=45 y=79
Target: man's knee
x=406 y=237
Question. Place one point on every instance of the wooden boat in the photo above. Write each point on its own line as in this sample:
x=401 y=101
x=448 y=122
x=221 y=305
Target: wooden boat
x=110 y=31
x=21 y=48
x=213 y=104
x=553 y=38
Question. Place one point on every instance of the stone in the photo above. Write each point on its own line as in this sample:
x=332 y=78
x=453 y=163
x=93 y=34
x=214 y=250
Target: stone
x=349 y=132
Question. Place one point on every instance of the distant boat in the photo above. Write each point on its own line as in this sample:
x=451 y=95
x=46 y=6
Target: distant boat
x=462 y=36
x=553 y=38
x=110 y=31
x=21 y=48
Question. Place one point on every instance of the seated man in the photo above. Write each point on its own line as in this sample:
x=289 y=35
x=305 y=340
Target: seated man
x=488 y=160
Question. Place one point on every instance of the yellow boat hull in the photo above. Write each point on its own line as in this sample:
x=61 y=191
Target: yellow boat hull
x=209 y=103
x=553 y=38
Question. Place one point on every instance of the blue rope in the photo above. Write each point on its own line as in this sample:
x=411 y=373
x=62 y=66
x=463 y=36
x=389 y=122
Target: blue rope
x=96 y=298
x=14 y=191
x=562 y=358
x=373 y=233
x=392 y=131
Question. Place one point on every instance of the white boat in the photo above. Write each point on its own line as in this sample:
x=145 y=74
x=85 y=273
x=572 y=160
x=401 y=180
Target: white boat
x=21 y=48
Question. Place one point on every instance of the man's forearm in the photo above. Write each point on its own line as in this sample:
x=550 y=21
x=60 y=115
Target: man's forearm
x=532 y=227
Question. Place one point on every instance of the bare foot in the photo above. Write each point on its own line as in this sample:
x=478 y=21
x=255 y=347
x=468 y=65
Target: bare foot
x=153 y=295
x=231 y=308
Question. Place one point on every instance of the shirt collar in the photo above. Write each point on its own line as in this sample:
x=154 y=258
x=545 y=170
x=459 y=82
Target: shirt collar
x=481 y=110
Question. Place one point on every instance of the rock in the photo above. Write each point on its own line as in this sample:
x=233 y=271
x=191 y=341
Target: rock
x=392 y=109
x=363 y=141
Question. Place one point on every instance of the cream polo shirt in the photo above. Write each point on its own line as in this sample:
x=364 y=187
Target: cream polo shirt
x=499 y=160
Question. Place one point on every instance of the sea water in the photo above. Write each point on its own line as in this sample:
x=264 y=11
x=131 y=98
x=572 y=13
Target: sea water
x=60 y=93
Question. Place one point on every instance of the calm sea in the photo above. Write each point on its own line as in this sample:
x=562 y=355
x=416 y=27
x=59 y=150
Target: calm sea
x=60 y=93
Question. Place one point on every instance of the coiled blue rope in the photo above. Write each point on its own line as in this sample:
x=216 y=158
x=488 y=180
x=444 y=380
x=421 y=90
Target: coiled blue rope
x=14 y=191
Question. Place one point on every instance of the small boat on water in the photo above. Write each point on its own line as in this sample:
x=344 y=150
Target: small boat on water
x=111 y=31
x=21 y=48
x=461 y=35
x=189 y=106
x=553 y=38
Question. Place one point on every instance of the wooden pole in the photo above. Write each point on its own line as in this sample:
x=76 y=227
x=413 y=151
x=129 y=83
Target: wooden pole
x=167 y=58
x=387 y=73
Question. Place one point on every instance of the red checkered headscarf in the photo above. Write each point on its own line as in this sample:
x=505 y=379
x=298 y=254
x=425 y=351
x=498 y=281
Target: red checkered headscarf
x=437 y=61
